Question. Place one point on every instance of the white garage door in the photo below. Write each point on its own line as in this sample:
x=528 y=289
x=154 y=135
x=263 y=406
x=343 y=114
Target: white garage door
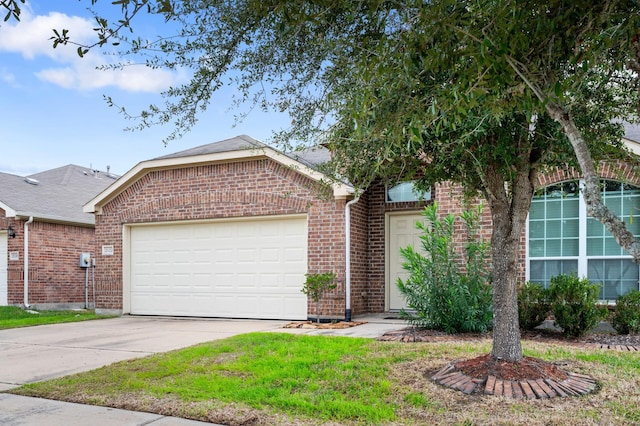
x=232 y=269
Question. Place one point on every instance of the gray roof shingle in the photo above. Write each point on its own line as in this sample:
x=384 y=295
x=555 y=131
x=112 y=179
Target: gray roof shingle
x=311 y=157
x=54 y=195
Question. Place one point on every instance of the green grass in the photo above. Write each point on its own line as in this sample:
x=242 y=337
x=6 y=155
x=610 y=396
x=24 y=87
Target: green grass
x=279 y=379
x=13 y=317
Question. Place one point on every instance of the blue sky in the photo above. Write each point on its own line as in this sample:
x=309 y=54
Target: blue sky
x=52 y=110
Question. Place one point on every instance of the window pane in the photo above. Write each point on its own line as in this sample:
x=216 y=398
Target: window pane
x=570 y=247
x=612 y=248
x=570 y=228
x=614 y=204
x=595 y=246
x=541 y=271
x=536 y=229
x=537 y=210
x=536 y=248
x=570 y=207
x=554 y=218
x=634 y=226
x=406 y=191
x=594 y=228
x=554 y=228
x=617 y=276
x=554 y=248
x=613 y=195
x=554 y=209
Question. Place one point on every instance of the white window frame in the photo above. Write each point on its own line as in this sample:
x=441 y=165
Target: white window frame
x=582 y=258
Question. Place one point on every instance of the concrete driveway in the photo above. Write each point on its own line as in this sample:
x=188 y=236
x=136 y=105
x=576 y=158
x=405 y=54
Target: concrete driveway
x=33 y=354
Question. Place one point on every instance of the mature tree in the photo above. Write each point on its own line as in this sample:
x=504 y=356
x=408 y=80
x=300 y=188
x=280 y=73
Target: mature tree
x=478 y=92
x=566 y=54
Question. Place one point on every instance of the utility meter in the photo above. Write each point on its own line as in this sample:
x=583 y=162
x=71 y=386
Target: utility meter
x=85 y=260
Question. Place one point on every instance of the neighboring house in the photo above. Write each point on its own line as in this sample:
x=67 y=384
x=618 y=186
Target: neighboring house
x=229 y=229
x=43 y=232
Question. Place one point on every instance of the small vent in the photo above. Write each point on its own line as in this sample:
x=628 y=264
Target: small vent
x=32 y=181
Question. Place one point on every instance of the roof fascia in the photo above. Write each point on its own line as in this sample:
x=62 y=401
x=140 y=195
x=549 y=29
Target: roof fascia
x=632 y=145
x=144 y=167
x=20 y=215
x=8 y=211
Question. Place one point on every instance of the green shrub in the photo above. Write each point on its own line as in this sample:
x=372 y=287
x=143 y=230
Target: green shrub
x=626 y=317
x=445 y=290
x=533 y=305
x=315 y=285
x=573 y=303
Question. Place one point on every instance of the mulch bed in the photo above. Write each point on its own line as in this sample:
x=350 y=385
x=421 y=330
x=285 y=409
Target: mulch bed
x=531 y=378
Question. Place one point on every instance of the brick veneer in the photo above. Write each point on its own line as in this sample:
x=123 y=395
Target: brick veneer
x=259 y=187
x=55 y=277
x=262 y=187
x=378 y=208
x=450 y=199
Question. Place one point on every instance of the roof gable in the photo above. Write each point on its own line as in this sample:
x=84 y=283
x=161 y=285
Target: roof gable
x=238 y=148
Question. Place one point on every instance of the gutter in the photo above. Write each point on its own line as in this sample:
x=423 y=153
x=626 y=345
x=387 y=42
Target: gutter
x=347 y=255
x=26 y=262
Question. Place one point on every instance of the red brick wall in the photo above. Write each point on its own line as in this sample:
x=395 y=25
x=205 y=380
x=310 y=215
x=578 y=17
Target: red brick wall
x=359 y=255
x=450 y=200
x=55 y=277
x=378 y=207
x=241 y=189
x=262 y=187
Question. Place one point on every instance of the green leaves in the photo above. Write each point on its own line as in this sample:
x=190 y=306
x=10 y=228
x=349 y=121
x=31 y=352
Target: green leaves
x=13 y=9
x=447 y=290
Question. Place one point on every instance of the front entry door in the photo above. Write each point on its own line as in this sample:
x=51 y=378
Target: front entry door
x=401 y=232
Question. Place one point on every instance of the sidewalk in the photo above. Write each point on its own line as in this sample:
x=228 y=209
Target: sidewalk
x=18 y=410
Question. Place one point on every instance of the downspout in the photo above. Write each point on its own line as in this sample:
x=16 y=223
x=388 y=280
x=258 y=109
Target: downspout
x=26 y=262
x=347 y=255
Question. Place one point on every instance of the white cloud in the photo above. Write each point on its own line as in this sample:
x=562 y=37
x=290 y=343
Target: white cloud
x=31 y=38
x=7 y=77
x=85 y=76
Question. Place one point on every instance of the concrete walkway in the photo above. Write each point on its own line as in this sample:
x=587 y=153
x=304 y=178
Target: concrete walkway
x=40 y=353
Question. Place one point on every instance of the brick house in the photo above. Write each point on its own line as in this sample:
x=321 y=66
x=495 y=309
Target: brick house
x=230 y=228
x=43 y=231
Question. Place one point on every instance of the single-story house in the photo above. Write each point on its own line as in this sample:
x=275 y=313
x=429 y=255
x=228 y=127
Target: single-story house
x=43 y=232
x=230 y=229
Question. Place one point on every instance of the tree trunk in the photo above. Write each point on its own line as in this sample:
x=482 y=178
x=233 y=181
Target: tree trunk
x=591 y=191
x=509 y=209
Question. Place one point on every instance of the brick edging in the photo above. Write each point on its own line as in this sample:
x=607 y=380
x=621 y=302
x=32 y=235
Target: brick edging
x=574 y=385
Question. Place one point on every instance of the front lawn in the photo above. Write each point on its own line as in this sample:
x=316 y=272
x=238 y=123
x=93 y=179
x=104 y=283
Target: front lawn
x=13 y=317
x=284 y=379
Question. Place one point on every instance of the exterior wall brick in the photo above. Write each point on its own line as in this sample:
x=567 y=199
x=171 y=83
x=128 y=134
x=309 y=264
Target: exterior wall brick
x=262 y=187
x=359 y=253
x=450 y=199
x=378 y=208
x=55 y=277
x=249 y=188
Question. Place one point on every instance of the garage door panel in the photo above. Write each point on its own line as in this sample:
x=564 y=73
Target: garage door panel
x=244 y=269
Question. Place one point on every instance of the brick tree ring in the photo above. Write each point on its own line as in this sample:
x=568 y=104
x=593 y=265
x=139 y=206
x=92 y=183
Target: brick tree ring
x=531 y=378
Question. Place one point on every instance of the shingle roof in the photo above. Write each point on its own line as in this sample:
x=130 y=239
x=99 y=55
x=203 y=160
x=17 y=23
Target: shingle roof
x=233 y=144
x=632 y=132
x=309 y=156
x=55 y=195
